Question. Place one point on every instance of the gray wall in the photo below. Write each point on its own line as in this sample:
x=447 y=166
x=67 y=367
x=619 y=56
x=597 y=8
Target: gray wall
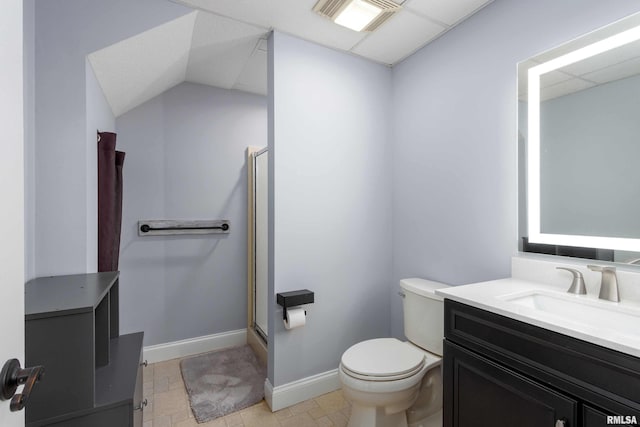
x=330 y=202
x=589 y=161
x=186 y=160
x=62 y=232
x=428 y=147
x=454 y=140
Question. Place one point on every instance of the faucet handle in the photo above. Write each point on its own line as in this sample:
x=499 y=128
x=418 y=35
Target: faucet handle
x=601 y=268
x=609 y=283
x=577 y=284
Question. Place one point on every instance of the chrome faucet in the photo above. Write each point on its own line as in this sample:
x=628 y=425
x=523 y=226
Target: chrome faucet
x=609 y=284
x=577 y=284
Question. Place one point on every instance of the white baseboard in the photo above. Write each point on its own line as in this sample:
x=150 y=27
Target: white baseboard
x=191 y=346
x=289 y=394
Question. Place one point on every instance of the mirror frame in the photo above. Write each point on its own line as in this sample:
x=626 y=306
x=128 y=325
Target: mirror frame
x=535 y=233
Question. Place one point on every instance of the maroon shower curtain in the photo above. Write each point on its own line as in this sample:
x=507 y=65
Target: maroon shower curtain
x=110 y=164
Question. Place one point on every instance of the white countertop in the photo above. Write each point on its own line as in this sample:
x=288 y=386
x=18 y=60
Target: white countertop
x=491 y=296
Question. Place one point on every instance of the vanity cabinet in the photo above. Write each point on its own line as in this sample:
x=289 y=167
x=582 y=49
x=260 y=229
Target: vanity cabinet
x=501 y=372
x=93 y=375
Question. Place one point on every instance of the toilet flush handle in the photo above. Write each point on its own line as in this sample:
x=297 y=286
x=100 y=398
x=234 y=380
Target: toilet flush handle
x=401 y=294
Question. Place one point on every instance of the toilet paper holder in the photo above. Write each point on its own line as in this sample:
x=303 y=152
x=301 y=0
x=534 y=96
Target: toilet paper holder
x=293 y=299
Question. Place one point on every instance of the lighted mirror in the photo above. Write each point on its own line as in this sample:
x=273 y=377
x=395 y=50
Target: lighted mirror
x=579 y=145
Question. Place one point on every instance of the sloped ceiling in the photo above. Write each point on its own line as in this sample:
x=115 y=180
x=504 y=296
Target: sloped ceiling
x=198 y=47
x=220 y=49
x=223 y=44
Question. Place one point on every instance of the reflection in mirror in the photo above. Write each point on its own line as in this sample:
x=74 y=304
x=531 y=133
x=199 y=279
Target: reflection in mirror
x=579 y=146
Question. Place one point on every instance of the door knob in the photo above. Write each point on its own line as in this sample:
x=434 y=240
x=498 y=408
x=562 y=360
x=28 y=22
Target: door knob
x=12 y=376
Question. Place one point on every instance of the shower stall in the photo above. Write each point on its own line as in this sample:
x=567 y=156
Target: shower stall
x=258 y=298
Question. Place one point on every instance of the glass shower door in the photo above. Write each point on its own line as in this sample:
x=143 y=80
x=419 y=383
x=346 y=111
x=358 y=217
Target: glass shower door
x=261 y=242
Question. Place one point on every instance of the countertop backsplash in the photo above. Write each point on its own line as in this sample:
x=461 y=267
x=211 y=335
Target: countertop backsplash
x=543 y=269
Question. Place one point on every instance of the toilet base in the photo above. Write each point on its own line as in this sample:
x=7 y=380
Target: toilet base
x=369 y=416
x=433 y=420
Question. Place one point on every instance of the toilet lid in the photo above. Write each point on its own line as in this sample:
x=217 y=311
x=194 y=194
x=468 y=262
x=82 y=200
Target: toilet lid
x=382 y=359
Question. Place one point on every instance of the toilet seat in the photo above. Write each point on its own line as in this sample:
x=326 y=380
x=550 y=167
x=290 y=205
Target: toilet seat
x=382 y=359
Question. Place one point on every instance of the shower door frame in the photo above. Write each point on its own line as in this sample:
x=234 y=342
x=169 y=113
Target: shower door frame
x=256 y=338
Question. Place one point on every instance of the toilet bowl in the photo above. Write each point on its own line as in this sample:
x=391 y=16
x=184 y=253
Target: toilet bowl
x=382 y=379
x=391 y=383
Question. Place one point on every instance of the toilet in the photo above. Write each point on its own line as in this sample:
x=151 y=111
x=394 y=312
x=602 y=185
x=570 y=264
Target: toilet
x=391 y=383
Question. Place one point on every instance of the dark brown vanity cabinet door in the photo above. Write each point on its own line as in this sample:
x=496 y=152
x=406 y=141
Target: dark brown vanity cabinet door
x=481 y=393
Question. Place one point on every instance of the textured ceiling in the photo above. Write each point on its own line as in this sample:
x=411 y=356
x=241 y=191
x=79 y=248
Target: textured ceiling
x=223 y=44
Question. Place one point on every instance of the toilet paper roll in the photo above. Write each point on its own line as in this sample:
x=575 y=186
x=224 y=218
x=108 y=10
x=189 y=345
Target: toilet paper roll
x=296 y=317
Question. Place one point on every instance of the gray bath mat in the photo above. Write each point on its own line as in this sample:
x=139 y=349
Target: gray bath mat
x=222 y=382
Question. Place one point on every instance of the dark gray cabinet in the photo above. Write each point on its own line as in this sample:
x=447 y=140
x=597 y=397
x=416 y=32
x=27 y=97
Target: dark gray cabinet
x=501 y=372
x=491 y=395
x=93 y=375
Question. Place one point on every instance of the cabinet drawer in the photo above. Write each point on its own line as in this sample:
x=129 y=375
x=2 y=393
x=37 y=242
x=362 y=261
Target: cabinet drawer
x=118 y=416
x=595 y=374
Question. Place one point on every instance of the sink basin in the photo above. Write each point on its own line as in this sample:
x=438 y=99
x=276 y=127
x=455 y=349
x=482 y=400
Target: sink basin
x=615 y=317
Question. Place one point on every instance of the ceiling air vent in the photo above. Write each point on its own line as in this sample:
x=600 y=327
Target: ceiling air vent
x=379 y=12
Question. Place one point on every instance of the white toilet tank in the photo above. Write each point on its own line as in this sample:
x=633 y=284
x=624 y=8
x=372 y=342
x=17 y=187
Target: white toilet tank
x=423 y=313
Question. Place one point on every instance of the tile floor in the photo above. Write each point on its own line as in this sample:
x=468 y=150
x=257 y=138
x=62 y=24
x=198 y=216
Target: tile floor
x=168 y=406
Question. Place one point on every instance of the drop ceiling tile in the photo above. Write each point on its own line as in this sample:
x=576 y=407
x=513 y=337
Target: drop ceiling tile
x=141 y=67
x=564 y=88
x=604 y=60
x=295 y=17
x=553 y=78
x=449 y=12
x=398 y=38
x=298 y=18
x=615 y=72
x=220 y=49
x=554 y=84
